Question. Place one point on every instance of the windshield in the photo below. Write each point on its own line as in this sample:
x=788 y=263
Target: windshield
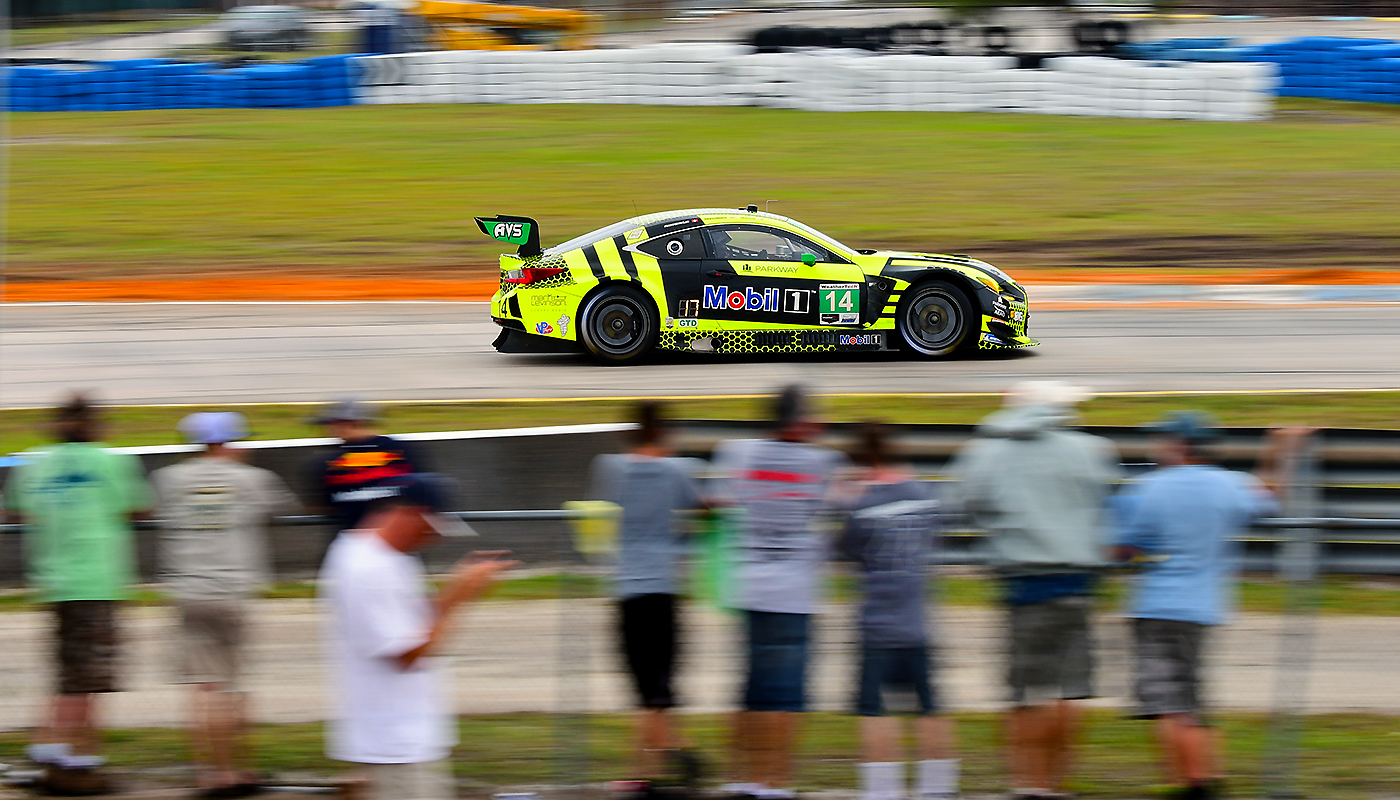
x=821 y=238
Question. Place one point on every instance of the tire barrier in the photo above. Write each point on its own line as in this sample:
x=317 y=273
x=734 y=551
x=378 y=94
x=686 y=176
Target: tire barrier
x=161 y=83
x=824 y=80
x=1333 y=68
x=928 y=38
x=1101 y=38
x=676 y=74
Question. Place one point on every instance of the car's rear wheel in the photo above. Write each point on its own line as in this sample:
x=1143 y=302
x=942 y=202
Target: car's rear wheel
x=936 y=319
x=618 y=325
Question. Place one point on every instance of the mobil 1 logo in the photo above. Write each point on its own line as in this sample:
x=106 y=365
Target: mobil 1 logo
x=839 y=303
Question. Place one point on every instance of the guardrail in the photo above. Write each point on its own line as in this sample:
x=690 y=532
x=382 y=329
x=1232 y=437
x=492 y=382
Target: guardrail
x=962 y=546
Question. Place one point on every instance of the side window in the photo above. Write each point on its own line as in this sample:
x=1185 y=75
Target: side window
x=686 y=245
x=763 y=244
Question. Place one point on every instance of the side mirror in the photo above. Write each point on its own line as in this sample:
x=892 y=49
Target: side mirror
x=809 y=259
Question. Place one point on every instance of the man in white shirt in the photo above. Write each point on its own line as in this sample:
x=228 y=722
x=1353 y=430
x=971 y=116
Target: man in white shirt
x=383 y=629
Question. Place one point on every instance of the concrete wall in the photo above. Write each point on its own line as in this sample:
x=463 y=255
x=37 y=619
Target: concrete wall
x=494 y=471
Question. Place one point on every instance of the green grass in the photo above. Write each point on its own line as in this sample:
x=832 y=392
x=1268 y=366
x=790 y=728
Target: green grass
x=153 y=425
x=77 y=31
x=389 y=190
x=1344 y=756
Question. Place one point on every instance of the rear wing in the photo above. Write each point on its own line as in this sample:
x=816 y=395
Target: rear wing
x=522 y=231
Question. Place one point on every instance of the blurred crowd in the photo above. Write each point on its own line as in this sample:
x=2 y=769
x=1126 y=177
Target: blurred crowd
x=1051 y=499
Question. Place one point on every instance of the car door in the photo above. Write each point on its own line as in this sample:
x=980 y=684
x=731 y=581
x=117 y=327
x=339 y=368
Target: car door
x=756 y=273
x=679 y=254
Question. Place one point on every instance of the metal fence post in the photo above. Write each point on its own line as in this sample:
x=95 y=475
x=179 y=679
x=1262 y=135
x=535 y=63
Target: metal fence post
x=1297 y=565
x=573 y=675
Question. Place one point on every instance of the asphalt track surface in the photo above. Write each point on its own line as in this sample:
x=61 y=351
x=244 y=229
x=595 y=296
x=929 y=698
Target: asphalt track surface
x=229 y=352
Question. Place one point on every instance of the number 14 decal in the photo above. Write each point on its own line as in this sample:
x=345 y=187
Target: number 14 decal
x=835 y=300
x=839 y=303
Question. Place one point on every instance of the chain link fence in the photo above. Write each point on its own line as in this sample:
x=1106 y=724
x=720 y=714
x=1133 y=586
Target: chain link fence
x=545 y=649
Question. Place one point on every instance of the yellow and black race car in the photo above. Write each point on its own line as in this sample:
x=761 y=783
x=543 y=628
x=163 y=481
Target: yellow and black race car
x=726 y=281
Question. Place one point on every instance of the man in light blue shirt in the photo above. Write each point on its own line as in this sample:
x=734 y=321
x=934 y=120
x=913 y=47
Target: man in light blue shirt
x=1182 y=523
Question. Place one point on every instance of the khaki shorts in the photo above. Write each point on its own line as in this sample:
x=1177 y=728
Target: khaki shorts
x=1051 y=651
x=424 y=780
x=87 y=646
x=211 y=641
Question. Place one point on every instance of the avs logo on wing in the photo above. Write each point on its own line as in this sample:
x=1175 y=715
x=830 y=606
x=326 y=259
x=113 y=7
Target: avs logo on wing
x=747 y=299
x=512 y=232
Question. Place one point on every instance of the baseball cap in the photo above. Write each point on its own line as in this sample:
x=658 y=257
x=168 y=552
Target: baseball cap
x=431 y=491
x=1192 y=426
x=346 y=409
x=1046 y=393
x=214 y=427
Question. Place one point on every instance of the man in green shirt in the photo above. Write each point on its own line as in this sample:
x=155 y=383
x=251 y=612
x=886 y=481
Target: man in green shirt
x=76 y=500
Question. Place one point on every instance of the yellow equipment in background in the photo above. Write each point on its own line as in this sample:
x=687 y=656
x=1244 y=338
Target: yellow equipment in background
x=488 y=26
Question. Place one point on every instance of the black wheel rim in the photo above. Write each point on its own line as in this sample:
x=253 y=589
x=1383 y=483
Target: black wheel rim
x=619 y=326
x=934 y=322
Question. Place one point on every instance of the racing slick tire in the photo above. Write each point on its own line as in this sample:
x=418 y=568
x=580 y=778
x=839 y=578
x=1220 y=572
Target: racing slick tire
x=618 y=325
x=936 y=319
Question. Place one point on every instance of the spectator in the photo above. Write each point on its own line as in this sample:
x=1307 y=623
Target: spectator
x=779 y=486
x=1182 y=524
x=393 y=715
x=215 y=509
x=890 y=534
x=1039 y=490
x=365 y=466
x=77 y=500
x=650 y=487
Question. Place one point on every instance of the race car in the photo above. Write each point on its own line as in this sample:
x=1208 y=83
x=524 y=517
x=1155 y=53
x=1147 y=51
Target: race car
x=741 y=281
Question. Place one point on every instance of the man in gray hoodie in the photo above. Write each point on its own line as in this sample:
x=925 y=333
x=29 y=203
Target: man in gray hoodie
x=1039 y=490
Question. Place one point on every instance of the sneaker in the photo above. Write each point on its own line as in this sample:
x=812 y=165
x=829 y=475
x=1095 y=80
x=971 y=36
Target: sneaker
x=49 y=753
x=629 y=789
x=740 y=791
x=684 y=768
x=1199 y=791
x=74 y=782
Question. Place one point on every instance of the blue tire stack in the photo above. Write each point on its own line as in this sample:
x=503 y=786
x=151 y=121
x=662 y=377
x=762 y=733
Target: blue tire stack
x=1328 y=67
x=154 y=83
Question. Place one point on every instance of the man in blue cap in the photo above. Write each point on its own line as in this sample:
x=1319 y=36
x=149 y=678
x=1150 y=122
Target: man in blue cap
x=393 y=708
x=354 y=472
x=215 y=509
x=1182 y=523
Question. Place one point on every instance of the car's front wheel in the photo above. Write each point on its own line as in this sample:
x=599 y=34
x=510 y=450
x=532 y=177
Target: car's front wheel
x=936 y=319
x=618 y=325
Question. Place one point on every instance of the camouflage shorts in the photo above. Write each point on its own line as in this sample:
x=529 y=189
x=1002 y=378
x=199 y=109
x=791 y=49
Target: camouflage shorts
x=87 y=646
x=1167 y=667
x=1051 y=651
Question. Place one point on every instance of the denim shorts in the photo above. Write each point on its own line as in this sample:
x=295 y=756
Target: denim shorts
x=777 y=662
x=900 y=674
